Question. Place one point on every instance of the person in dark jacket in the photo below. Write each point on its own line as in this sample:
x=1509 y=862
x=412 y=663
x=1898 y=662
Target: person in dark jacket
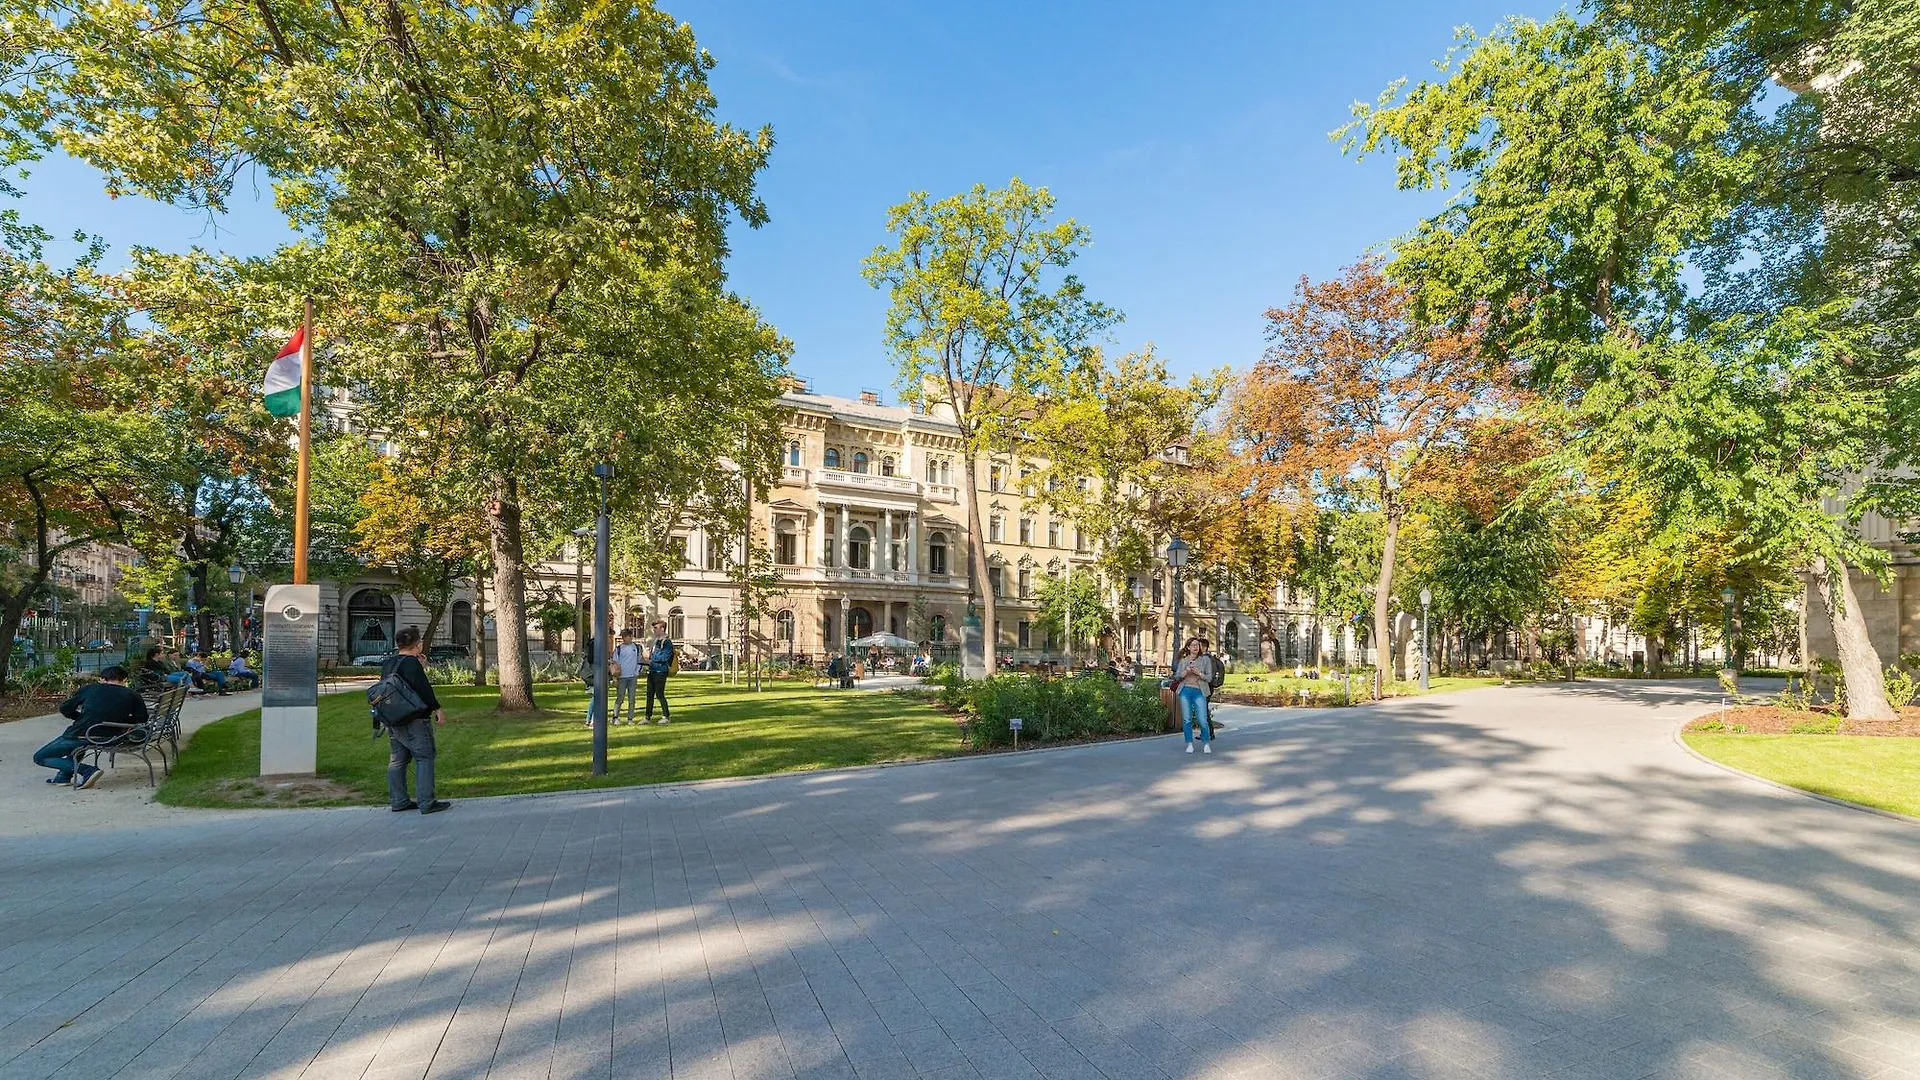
x=108 y=701
x=411 y=740
x=659 y=666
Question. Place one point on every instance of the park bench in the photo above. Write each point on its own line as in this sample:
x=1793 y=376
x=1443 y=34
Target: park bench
x=140 y=740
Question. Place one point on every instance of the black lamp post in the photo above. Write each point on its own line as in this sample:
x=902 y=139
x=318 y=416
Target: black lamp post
x=236 y=575
x=1426 y=599
x=1177 y=559
x=602 y=620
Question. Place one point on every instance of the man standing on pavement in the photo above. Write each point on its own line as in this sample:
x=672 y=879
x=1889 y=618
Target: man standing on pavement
x=105 y=702
x=411 y=738
x=659 y=666
x=626 y=662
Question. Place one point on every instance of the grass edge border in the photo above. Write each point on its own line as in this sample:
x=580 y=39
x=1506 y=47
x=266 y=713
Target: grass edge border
x=1845 y=804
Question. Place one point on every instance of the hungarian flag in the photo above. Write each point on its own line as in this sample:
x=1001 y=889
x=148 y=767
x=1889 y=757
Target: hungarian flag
x=281 y=387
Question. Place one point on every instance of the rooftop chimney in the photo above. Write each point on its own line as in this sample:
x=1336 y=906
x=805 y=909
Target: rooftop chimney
x=792 y=384
x=869 y=397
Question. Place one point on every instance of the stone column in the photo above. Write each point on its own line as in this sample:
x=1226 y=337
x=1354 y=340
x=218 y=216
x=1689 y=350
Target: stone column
x=845 y=513
x=913 y=544
x=886 y=527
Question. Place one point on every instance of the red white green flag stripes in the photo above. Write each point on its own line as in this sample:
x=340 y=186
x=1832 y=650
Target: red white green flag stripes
x=281 y=387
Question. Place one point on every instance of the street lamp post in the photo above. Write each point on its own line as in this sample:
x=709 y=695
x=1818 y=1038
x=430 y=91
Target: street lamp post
x=1177 y=559
x=1426 y=599
x=1726 y=629
x=236 y=575
x=1139 y=609
x=846 y=631
x=602 y=618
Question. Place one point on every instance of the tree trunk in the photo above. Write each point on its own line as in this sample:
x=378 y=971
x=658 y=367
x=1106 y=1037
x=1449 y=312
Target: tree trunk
x=480 y=627
x=510 y=596
x=1859 y=661
x=202 y=615
x=1382 y=604
x=433 y=621
x=981 y=584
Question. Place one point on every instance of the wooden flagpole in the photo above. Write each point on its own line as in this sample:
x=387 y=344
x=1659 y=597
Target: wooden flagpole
x=306 y=444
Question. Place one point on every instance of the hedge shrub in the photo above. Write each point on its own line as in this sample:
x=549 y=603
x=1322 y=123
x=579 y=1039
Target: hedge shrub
x=1081 y=707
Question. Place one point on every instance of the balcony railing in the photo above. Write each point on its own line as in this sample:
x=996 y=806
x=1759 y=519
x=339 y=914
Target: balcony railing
x=946 y=493
x=898 y=485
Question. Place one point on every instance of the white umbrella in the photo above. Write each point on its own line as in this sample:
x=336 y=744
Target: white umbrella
x=882 y=641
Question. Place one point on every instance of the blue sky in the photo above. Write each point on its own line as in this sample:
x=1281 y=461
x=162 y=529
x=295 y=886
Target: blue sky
x=1191 y=139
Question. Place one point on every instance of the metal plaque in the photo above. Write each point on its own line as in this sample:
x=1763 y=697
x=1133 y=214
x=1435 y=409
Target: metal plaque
x=292 y=646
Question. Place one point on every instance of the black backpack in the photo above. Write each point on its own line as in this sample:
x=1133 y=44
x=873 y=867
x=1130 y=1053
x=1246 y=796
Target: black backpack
x=392 y=702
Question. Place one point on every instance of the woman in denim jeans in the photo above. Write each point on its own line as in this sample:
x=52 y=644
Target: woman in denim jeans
x=1192 y=677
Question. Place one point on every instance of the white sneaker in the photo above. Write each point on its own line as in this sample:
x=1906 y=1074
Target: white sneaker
x=1206 y=748
x=666 y=719
x=1189 y=748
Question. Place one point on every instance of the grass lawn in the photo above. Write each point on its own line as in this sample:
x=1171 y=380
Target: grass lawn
x=1882 y=772
x=716 y=731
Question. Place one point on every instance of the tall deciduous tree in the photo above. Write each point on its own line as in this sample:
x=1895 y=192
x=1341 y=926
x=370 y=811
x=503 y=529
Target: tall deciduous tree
x=982 y=316
x=500 y=201
x=1596 y=164
x=428 y=531
x=1353 y=392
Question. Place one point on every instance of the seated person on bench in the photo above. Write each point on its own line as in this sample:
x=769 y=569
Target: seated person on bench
x=202 y=673
x=105 y=702
x=238 y=673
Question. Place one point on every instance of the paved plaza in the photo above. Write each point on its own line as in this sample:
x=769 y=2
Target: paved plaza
x=1501 y=883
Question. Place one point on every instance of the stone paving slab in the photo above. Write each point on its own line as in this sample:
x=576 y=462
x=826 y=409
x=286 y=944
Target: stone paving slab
x=1522 y=882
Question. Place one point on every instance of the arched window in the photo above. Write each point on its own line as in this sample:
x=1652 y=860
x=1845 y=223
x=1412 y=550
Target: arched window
x=1230 y=639
x=793 y=454
x=677 y=624
x=715 y=628
x=783 y=628
x=859 y=548
x=937 y=553
x=370 y=617
x=859 y=623
x=462 y=619
x=933 y=471
x=886 y=465
x=832 y=460
x=939 y=628
x=859 y=461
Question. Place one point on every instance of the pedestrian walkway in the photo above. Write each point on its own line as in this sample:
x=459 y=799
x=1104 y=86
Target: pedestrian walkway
x=1515 y=882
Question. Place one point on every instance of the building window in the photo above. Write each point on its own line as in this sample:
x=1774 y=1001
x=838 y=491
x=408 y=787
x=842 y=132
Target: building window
x=886 y=465
x=677 y=624
x=828 y=547
x=1079 y=541
x=1159 y=590
x=1081 y=483
x=937 y=553
x=1026 y=583
x=1230 y=639
x=716 y=629
x=939 y=628
x=462 y=616
x=783 y=629
x=933 y=472
x=859 y=548
x=993 y=478
x=994 y=528
x=946 y=472
x=680 y=549
x=860 y=461
x=1026 y=635
x=1026 y=530
x=793 y=454
x=716 y=553
x=994 y=577
x=1053 y=534
x=786 y=547
x=859 y=623
x=832 y=460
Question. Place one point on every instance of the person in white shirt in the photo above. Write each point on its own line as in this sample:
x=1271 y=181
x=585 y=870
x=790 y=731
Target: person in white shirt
x=627 y=663
x=238 y=671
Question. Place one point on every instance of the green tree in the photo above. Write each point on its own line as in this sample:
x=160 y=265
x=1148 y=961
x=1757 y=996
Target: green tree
x=1080 y=597
x=1594 y=164
x=428 y=532
x=983 y=316
x=516 y=219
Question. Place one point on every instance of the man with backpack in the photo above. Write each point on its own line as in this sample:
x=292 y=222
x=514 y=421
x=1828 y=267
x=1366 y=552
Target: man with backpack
x=662 y=660
x=403 y=702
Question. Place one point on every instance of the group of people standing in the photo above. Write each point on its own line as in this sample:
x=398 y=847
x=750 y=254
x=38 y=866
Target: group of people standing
x=1196 y=675
x=656 y=660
